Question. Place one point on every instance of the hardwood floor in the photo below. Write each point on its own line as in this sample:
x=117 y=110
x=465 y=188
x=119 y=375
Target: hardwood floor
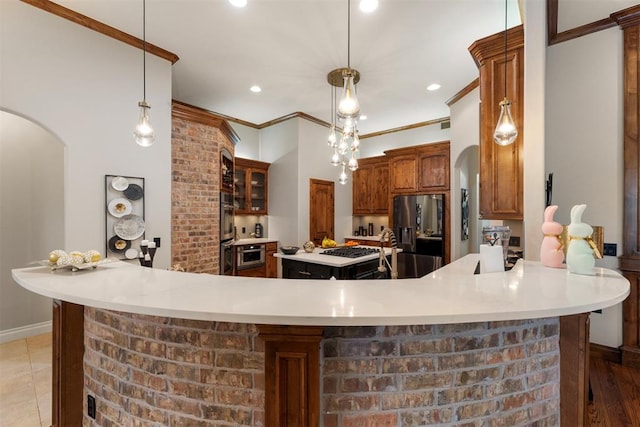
x=616 y=395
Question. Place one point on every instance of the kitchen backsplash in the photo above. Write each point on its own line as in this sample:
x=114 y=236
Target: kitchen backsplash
x=246 y=224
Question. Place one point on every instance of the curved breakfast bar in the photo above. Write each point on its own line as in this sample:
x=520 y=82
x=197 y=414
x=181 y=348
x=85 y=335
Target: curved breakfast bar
x=172 y=348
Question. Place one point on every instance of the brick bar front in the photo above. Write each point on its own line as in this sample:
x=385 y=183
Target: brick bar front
x=162 y=371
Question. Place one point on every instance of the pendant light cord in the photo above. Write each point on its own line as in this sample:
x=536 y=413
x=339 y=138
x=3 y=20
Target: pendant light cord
x=144 y=51
x=505 y=48
x=349 y=34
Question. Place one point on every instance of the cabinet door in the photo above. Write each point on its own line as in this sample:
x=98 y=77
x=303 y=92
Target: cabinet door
x=258 y=191
x=362 y=190
x=271 y=261
x=380 y=189
x=403 y=173
x=434 y=171
x=241 y=203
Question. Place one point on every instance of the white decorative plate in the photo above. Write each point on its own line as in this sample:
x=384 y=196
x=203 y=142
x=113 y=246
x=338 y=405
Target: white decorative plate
x=119 y=183
x=119 y=207
x=129 y=227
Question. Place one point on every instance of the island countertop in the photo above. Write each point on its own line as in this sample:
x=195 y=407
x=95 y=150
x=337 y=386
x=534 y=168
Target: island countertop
x=452 y=294
x=317 y=257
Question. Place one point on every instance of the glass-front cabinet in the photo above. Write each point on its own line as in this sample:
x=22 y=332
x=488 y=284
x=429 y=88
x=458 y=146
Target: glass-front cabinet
x=251 y=184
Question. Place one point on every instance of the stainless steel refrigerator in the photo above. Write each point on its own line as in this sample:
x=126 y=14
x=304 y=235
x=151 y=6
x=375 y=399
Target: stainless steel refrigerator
x=418 y=223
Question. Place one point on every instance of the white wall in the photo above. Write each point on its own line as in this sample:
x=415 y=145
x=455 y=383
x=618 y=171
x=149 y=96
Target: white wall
x=31 y=215
x=465 y=138
x=249 y=145
x=376 y=145
x=314 y=162
x=282 y=153
x=84 y=88
x=584 y=147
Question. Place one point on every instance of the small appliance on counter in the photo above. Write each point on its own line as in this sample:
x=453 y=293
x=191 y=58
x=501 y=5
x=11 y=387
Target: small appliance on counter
x=258 y=230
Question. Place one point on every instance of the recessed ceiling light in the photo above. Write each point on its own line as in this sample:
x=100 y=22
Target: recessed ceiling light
x=255 y=89
x=433 y=86
x=363 y=117
x=238 y=3
x=368 y=6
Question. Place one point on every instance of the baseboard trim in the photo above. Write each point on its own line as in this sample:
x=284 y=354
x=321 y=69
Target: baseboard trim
x=610 y=354
x=25 y=331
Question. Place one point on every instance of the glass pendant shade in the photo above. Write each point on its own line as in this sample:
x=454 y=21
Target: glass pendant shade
x=335 y=159
x=355 y=143
x=506 y=131
x=353 y=163
x=349 y=106
x=333 y=139
x=143 y=132
x=343 y=175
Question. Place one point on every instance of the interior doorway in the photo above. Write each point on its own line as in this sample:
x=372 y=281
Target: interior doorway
x=321 y=210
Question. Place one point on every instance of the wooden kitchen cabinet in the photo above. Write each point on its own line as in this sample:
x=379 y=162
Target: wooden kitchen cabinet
x=371 y=187
x=271 y=262
x=501 y=167
x=419 y=169
x=251 y=187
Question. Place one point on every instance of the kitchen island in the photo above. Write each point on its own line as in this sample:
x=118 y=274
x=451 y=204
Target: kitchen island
x=343 y=263
x=193 y=349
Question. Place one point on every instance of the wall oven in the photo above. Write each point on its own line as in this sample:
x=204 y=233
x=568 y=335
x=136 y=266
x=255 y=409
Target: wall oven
x=226 y=258
x=226 y=216
x=250 y=256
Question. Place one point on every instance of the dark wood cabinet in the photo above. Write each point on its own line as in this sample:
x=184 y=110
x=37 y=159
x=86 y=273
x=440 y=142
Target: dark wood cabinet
x=271 y=262
x=629 y=21
x=501 y=167
x=292 y=269
x=292 y=375
x=419 y=169
x=67 y=370
x=371 y=187
x=251 y=182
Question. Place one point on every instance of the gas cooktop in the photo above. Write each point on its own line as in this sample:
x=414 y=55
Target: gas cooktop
x=352 y=252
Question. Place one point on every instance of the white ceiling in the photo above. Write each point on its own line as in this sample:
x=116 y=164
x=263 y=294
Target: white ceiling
x=288 y=47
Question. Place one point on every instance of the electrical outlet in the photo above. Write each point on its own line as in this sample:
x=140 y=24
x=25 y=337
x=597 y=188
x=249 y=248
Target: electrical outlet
x=91 y=406
x=610 y=249
x=514 y=241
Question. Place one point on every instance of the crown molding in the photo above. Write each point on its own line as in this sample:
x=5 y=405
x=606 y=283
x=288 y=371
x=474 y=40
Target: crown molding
x=555 y=37
x=191 y=113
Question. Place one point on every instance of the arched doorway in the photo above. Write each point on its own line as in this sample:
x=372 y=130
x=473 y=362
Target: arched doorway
x=465 y=177
x=31 y=218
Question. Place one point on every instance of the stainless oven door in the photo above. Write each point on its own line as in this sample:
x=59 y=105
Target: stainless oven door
x=226 y=216
x=226 y=258
x=250 y=256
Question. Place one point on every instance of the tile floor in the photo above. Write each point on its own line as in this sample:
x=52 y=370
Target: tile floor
x=25 y=382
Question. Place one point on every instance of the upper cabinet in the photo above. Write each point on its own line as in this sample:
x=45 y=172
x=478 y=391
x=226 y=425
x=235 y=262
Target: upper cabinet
x=501 y=167
x=418 y=169
x=251 y=185
x=371 y=187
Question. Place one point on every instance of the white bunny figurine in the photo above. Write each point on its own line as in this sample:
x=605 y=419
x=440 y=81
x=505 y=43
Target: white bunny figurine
x=580 y=258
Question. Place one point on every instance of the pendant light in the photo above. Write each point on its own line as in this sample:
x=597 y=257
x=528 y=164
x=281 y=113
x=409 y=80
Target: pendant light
x=143 y=132
x=344 y=144
x=506 y=131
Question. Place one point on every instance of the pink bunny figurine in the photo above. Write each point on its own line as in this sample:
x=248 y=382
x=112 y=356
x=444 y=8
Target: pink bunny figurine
x=551 y=254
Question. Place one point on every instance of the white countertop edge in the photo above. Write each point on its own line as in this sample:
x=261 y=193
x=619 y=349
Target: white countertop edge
x=439 y=298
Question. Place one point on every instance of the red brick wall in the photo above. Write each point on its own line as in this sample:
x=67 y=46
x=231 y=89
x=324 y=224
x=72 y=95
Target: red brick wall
x=475 y=374
x=196 y=145
x=145 y=370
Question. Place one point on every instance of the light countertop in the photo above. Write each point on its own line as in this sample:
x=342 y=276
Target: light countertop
x=452 y=294
x=316 y=257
